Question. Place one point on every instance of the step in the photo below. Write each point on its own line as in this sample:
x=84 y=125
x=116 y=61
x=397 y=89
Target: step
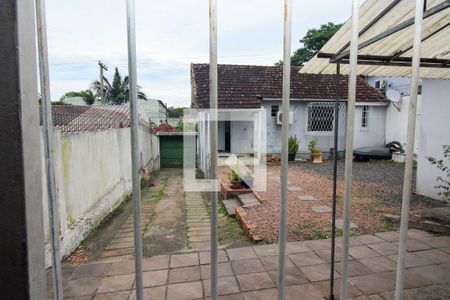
x=248 y=200
x=231 y=205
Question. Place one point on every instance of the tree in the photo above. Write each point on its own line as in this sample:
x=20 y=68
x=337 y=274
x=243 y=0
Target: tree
x=117 y=91
x=312 y=42
x=87 y=95
x=175 y=112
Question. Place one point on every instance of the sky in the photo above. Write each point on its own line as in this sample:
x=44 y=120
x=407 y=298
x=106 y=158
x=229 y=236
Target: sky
x=170 y=36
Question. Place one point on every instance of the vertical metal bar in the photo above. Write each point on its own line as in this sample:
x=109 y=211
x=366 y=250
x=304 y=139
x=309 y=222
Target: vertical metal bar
x=131 y=34
x=47 y=127
x=335 y=162
x=349 y=132
x=409 y=149
x=213 y=135
x=284 y=145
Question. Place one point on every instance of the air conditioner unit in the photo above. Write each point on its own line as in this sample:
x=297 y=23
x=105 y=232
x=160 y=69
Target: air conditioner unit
x=381 y=84
x=279 y=117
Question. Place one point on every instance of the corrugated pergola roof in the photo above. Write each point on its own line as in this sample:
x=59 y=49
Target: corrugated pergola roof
x=391 y=55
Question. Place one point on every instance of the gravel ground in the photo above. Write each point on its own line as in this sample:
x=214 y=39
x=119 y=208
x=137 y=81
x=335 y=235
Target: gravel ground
x=377 y=190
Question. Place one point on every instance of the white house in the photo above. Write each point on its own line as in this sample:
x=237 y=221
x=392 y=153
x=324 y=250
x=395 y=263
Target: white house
x=156 y=110
x=311 y=111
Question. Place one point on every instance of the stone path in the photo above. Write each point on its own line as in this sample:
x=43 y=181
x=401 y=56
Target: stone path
x=123 y=241
x=198 y=222
x=251 y=272
x=166 y=232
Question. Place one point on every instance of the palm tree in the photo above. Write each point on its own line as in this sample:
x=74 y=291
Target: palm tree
x=87 y=95
x=117 y=92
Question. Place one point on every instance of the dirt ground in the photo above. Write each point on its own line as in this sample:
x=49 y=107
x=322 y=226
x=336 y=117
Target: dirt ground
x=377 y=189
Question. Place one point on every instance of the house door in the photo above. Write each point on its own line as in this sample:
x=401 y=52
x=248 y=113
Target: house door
x=227 y=136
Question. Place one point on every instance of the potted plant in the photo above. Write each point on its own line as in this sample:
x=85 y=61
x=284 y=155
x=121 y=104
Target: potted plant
x=292 y=147
x=235 y=179
x=311 y=146
x=316 y=155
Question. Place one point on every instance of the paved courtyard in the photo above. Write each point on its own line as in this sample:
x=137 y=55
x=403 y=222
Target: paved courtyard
x=251 y=272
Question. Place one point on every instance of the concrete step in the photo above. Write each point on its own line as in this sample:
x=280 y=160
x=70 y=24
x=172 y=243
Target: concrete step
x=248 y=200
x=231 y=205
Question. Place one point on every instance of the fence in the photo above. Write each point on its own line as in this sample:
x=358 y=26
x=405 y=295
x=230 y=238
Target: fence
x=92 y=178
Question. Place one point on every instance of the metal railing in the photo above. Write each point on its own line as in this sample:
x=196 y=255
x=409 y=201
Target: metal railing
x=79 y=121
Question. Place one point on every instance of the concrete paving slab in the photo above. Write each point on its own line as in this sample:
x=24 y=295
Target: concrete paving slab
x=294 y=189
x=230 y=206
x=248 y=200
x=322 y=209
x=306 y=198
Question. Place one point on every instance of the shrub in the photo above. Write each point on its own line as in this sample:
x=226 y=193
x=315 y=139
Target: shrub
x=293 y=144
x=444 y=181
x=312 y=146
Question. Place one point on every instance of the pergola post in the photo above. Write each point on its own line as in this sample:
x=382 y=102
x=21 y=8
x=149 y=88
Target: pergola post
x=349 y=133
x=409 y=149
x=284 y=146
x=21 y=214
x=335 y=163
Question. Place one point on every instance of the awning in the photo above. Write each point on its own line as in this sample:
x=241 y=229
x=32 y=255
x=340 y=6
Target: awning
x=386 y=39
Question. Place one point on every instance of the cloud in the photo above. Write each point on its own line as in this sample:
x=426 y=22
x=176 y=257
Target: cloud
x=170 y=36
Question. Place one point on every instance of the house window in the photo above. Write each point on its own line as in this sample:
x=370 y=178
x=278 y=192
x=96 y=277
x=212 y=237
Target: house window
x=365 y=116
x=320 y=116
x=274 y=110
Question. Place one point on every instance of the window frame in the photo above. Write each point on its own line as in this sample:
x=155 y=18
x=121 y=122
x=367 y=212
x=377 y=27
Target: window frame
x=365 y=113
x=328 y=104
x=272 y=110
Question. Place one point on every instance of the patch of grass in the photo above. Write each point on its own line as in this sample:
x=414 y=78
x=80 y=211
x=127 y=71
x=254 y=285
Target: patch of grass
x=310 y=232
x=317 y=234
x=388 y=224
x=156 y=197
x=264 y=240
x=222 y=210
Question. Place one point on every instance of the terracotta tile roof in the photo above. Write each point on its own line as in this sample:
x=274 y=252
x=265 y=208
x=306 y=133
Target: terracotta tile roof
x=241 y=86
x=69 y=118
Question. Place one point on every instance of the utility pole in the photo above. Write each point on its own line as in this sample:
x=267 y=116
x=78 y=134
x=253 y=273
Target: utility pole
x=102 y=67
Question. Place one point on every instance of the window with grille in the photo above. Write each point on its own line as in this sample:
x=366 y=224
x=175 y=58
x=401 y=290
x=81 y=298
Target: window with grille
x=275 y=109
x=365 y=116
x=320 y=116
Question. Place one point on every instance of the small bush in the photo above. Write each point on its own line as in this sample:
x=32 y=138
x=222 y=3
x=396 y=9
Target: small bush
x=443 y=185
x=293 y=143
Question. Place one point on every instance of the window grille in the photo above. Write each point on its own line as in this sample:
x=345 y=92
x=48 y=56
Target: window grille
x=321 y=116
x=365 y=116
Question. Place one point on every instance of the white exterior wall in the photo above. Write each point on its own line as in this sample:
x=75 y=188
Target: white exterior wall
x=92 y=178
x=397 y=121
x=374 y=134
x=325 y=140
x=434 y=131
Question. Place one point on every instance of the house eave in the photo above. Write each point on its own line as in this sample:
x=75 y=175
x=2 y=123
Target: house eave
x=358 y=102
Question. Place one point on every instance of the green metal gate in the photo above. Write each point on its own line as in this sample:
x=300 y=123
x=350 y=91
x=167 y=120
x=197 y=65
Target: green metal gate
x=171 y=149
